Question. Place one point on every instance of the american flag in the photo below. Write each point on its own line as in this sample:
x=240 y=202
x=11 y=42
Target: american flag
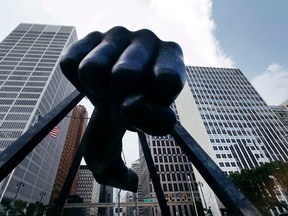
x=53 y=133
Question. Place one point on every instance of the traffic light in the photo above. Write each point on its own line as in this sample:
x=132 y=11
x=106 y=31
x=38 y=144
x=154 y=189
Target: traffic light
x=116 y=210
x=170 y=197
x=185 y=197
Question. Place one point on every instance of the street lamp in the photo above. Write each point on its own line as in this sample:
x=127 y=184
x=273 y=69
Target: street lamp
x=41 y=195
x=192 y=192
x=118 y=202
x=133 y=198
x=19 y=185
x=136 y=207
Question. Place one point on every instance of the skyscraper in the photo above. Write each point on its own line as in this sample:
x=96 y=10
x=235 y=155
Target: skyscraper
x=136 y=197
x=281 y=112
x=31 y=84
x=135 y=166
x=229 y=119
x=106 y=196
x=175 y=172
x=88 y=189
x=75 y=132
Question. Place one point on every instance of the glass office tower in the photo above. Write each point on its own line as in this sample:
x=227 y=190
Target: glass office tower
x=31 y=84
x=229 y=119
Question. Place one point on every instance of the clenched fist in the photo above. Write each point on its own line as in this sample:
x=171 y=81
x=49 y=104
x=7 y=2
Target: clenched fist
x=131 y=78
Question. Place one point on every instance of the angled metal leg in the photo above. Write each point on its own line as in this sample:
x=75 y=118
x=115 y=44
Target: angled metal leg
x=57 y=210
x=226 y=191
x=153 y=173
x=18 y=150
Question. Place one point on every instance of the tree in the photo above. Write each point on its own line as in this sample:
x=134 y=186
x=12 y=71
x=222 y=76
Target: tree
x=259 y=184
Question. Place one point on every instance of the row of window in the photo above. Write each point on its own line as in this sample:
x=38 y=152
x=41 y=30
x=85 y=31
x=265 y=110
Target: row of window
x=10 y=134
x=19 y=102
x=17 y=117
x=23 y=73
x=169 y=158
x=23 y=78
x=173 y=167
x=178 y=177
x=167 y=150
x=178 y=187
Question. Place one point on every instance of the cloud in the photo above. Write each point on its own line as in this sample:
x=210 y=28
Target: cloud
x=187 y=22
x=272 y=84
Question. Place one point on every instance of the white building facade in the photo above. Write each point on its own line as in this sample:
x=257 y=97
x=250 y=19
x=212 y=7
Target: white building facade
x=88 y=189
x=231 y=122
x=176 y=176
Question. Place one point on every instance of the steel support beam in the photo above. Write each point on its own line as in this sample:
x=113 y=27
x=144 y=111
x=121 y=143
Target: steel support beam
x=60 y=202
x=154 y=176
x=18 y=150
x=235 y=202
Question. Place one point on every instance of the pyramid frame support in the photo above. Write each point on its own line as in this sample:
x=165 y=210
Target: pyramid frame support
x=226 y=191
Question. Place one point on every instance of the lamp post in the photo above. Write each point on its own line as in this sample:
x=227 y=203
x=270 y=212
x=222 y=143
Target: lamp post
x=38 y=205
x=181 y=200
x=136 y=207
x=200 y=184
x=42 y=194
x=118 y=203
x=19 y=185
x=192 y=192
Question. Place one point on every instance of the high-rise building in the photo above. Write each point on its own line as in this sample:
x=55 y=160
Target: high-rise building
x=135 y=197
x=231 y=122
x=135 y=166
x=106 y=196
x=285 y=103
x=281 y=112
x=75 y=132
x=88 y=189
x=31 y=84
x=176 y=175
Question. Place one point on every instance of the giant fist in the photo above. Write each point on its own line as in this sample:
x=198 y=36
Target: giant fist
x=131 y=78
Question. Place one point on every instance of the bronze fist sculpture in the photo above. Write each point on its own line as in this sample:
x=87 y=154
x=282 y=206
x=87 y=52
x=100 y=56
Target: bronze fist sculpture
x=131 y=78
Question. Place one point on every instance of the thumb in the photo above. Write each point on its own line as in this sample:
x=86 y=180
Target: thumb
x=147 y=116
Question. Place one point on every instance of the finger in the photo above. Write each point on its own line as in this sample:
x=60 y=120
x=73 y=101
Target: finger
x=95 y=68
x=169 y=73
x=73 y=55
x=147 y=116
x=128 y=72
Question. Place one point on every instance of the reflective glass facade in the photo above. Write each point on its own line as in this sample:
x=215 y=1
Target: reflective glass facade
x=31 y=84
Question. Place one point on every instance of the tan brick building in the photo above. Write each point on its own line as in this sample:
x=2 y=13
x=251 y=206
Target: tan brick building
x=75 y=132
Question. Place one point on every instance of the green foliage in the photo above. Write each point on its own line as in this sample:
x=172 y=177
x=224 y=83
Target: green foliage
x=259 y=184
x=22 y=208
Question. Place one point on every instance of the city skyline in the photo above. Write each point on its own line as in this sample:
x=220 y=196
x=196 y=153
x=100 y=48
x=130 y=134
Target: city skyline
x=20 y=72
x=240 y=34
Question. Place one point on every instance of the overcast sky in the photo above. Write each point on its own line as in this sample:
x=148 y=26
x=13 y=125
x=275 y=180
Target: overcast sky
x=249 y=35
